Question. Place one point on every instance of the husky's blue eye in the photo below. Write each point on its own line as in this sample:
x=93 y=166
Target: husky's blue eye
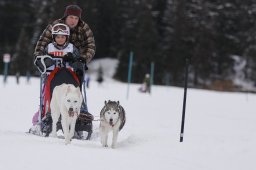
x=68 y=100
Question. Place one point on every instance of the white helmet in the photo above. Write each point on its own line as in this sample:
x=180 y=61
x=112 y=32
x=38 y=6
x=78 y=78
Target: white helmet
x=60 y=29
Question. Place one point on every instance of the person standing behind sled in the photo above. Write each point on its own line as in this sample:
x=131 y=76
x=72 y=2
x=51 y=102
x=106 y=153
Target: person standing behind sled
x=80 y=35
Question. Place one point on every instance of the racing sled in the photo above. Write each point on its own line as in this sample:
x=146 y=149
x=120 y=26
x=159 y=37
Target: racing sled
x=57 y=73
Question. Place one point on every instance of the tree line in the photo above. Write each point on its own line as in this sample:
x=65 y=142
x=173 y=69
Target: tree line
x=165 y=32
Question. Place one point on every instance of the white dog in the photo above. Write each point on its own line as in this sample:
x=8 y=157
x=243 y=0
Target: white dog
x=113 y=119
x=66 y=101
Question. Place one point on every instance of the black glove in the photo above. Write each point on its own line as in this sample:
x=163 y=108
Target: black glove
x=69 y=57
x=82 y=60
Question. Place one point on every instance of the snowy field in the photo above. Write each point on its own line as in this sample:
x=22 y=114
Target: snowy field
x=220 y=131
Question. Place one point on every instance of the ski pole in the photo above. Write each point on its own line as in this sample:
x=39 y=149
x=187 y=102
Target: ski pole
x=184 y=101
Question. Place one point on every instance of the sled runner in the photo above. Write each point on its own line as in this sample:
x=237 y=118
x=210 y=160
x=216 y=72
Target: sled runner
x=58 y=73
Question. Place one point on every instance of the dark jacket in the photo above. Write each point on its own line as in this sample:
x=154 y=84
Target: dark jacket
x=81 y=36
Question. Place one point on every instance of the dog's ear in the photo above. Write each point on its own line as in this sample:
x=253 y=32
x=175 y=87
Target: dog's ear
x=105 y=102
x=78 y=92
x=68 y=89
x=118 y=102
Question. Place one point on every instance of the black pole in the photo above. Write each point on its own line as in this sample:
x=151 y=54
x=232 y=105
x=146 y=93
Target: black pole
x=184 y=101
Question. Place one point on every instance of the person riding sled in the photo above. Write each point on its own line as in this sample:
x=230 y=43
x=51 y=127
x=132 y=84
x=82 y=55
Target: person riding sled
x=60 y=48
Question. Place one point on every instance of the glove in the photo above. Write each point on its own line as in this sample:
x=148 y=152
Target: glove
x=68 y=57
x=82 y=60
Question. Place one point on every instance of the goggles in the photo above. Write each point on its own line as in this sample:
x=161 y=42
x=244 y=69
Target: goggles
x=60 y=29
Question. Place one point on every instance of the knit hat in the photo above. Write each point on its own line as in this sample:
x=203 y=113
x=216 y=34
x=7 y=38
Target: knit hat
x=73 y=10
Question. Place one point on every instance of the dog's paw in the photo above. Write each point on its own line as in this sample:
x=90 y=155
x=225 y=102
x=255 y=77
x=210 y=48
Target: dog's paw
x=67 y=142
x=105 y=146
x=70 y=137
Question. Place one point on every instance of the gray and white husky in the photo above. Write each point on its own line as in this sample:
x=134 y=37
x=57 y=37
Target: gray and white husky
x=112 y=118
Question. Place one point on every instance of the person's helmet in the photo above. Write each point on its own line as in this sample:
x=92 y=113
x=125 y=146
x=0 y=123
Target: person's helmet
x=60 y=29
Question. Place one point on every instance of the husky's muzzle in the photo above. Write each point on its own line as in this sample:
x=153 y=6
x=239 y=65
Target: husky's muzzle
x=71 y=112
x=111 y=122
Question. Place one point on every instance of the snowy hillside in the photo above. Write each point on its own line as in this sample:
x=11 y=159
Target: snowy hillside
x=219 y=131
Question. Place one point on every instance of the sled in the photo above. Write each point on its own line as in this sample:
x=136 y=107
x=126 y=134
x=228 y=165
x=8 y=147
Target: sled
x=58 y=74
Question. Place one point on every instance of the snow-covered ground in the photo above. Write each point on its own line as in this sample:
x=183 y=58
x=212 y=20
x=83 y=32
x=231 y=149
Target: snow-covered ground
x=220 y=131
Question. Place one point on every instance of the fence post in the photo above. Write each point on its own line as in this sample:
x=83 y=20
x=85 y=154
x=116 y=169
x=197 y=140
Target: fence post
x=129 y=74
x=6 y=60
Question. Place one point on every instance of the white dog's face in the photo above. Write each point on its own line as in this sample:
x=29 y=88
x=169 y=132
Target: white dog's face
x=73 y=100
x=111 y=116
